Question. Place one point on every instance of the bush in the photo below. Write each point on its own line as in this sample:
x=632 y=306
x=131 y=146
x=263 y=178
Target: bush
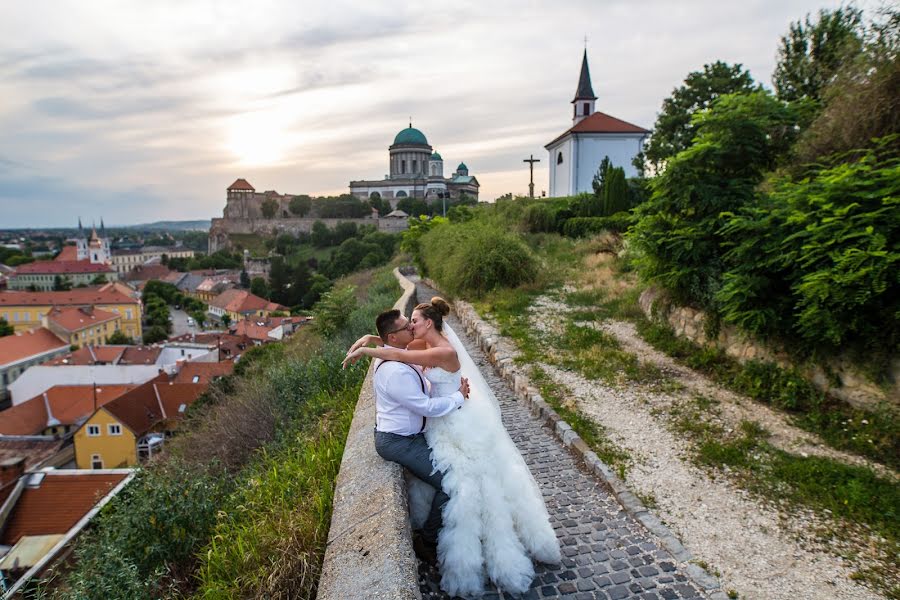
x=475 y=258
x=818 y=257
x=586 y=226
x=539 y=218
x=145 y=540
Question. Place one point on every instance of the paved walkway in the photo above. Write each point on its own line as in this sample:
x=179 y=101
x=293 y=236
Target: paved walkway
x=606 y=553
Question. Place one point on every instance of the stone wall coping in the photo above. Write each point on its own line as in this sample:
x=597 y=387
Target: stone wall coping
x=369 y=551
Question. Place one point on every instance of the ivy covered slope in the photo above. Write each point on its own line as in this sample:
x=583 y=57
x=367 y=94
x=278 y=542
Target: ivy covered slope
x=241 y=504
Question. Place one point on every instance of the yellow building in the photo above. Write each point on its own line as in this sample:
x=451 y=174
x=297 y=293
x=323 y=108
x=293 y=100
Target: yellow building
x=134 y=426
x=26 y=310
x=83 y=326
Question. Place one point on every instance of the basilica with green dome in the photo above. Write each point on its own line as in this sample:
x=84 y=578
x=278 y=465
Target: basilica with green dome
x=416 y=171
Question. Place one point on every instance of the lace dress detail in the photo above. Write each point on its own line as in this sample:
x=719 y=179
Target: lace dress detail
x=495 y=522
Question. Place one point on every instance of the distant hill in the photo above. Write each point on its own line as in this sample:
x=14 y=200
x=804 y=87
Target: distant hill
x=173 y=225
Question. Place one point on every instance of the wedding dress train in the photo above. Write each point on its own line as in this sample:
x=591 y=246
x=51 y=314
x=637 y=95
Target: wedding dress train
x=495 y=522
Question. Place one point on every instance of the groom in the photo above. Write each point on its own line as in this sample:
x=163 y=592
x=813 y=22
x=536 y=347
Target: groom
x=402 y=406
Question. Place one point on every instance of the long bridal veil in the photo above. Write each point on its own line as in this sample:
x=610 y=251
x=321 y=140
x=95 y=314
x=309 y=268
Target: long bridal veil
x=495 y=521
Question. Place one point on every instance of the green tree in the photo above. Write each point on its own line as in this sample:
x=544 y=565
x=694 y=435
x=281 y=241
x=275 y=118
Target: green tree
x=674 y=128
x=61 y=284
x=380 y=204
x=811 y=52
x=300 y=205
x=119 y=338
x=614 y=197
x=6 y=328
x=678 y=233
x=99 y=279
x=259 y=287
x=321 y=235
x=269 y=207
x=414 y=207
x=245 y=279
x=155 y=334
x=226 y=320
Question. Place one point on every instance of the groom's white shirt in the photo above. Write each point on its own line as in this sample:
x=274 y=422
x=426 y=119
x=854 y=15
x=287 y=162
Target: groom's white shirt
x=400 y=402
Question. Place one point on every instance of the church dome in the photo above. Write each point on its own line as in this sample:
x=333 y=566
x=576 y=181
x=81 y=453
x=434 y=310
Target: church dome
x=412 y=136
x=462 y=167
x=436 y=156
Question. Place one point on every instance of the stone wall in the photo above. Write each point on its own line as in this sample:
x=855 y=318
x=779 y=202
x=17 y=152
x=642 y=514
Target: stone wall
x=220 y=228
x=838 y=377
x=369 y=553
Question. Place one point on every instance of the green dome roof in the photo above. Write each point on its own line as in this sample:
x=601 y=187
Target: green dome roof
x=411 y=135
x=436 y=156
x=462 y=167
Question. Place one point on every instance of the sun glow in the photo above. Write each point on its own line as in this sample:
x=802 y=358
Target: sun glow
x=258 y=138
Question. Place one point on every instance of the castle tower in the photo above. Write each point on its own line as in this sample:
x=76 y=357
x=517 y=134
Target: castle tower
x=584 y=96
x=81 y=243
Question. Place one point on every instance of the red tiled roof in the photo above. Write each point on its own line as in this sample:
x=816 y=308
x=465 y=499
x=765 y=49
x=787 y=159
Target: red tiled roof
x=105 y=294
x=153 y=402
x=67 y=253
x=148 y=272
x=77 y=318
x=236 y=300
x=206 y=372
x=90 y=355
x=61 y=267
x=601 y=123
x=69 y=404
x=140 y=355
x=241 y=184
x=34 y=451
x=21 y=345
x=252 y=329
x=57 y=504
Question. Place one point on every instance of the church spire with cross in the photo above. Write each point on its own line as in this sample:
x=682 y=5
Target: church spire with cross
x=584 y=96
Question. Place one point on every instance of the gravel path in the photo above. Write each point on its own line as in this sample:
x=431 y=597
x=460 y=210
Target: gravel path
x=758 y=552
x=607 y=554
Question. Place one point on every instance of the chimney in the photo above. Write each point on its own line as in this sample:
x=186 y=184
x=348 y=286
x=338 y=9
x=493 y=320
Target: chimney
x=11 y=469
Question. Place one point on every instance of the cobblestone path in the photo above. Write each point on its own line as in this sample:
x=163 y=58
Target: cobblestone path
x=606 y=553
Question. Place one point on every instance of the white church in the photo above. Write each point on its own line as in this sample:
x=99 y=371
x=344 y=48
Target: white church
x=575 y=155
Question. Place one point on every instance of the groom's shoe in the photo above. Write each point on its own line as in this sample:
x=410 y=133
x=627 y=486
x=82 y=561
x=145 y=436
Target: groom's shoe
x=426 y=551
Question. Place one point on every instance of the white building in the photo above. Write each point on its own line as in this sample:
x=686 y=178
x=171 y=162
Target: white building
x=575 y=155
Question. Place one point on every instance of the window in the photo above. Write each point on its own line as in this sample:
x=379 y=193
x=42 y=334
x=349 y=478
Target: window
x=195 y=379
x=93 y=430
x=128 y=314
x=114 y=429
x=403 y=166
x=96 y=461
x=415 y=166
x=586 y=108
x=559 y=158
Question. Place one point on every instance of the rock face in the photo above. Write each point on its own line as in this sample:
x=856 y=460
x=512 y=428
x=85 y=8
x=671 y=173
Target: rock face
x=838 y=376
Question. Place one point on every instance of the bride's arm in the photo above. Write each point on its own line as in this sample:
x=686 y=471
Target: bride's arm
x=365 y=341
x=439 y=356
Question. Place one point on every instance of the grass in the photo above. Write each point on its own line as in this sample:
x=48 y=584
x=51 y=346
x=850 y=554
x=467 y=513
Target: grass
x=593 y=434
x=598 y=355
x=874 y=434
x=253 y=242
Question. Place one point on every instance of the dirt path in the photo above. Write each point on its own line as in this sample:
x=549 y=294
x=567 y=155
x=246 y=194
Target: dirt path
x=758 y=550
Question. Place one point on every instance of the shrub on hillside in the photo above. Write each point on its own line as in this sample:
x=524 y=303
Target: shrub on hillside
x=586 y=226
x=818 y=257
x=539 y=218
x=475 y=258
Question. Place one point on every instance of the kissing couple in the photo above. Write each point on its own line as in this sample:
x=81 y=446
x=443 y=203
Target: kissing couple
x=479 y=509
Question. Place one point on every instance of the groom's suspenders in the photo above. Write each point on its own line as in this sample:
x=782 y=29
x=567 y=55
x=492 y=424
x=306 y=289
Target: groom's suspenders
x=421 y=382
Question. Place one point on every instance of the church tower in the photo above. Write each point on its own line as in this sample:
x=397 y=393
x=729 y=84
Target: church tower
x=584 y=95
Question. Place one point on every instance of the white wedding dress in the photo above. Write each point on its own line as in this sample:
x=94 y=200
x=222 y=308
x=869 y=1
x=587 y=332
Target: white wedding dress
x=495 y=522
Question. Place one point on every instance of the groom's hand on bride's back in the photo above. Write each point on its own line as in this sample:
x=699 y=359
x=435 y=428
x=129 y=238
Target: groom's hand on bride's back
x=464 y=387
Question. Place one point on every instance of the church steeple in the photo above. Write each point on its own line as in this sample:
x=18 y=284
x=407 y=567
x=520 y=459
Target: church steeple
x=584 y=95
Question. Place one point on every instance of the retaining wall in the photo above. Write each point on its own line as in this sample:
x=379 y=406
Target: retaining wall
x=369 y=552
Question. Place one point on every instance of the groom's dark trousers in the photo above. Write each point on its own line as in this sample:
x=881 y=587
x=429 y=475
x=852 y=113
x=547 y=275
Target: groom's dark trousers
x=413 y=453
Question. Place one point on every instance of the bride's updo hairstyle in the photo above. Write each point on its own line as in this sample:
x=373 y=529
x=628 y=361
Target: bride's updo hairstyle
x=435 y=311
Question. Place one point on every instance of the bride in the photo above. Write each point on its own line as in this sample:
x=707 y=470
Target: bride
x=495 y=521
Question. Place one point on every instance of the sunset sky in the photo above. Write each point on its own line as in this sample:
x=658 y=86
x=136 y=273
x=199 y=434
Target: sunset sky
x=144 y=111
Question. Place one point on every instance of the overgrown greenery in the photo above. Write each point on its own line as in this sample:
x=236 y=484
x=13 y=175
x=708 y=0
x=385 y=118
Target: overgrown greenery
x=240 y=506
